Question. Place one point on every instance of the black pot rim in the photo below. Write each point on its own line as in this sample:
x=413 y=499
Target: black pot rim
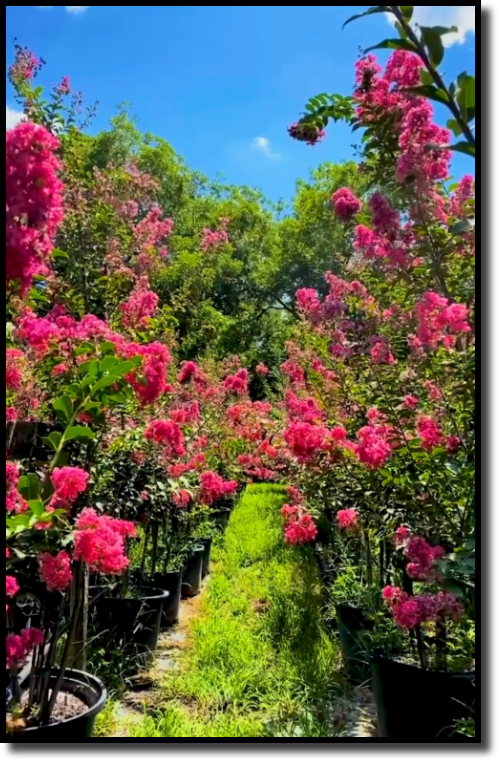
x=160 y=595
x=379 y=659
x=92 y=682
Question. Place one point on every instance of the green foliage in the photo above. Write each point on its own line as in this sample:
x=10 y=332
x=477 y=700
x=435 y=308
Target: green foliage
x=259 y=662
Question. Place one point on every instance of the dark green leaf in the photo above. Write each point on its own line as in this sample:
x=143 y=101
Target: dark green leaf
x=431 y=92
x=60 y=255
x=407 y=11
x=108 y=363
x=393 y=45
x=454 y=127
x=370 y=12
x=37 y=507
x=466 y=96
x=53 y=441
x=29 y=487
x=64 y=408
x=464 y=148
x=78 y=433
x=433 y=41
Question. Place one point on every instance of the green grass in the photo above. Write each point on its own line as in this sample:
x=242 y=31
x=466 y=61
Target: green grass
x=259 y=663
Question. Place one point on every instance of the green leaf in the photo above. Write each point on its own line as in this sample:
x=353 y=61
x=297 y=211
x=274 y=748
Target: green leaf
x=53 y=441
x=59 y=255
x=79 y=433
x=454 y=127
x=431 y=92
x=395 y=44
x=466 y=96
x=64 y=408
x=433 y=41
x=407 y=11
x=29 y=487
x=84 y=348
x=37 y=507
x=464 y=148
x=108 y=363
x=370 y=12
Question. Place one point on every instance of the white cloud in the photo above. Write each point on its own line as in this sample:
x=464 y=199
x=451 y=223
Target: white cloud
x=13 y=118
x=461 y=16
x=69 y=8
x=264 y=146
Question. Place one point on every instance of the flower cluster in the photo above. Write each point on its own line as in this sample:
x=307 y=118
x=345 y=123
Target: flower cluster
x=307 y=441
x=213 y=240
x=412 y=611
x=69 y=483
x=346 y=204
x=141 y=305
x=19 y=647
x=348 y=519
x=213 y=488
x=237 y=383
x=300 y=527
x=55 y=571
x=100 y=542
x=167 y=433
x=34 y=207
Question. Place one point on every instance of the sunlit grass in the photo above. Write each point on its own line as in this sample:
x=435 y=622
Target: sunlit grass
x=259 y=663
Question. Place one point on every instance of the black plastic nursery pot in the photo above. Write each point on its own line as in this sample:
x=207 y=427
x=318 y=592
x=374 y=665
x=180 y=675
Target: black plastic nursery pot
x=88 y=689
x=171 y=582
x=353 y=625
x=193 y=573
x=222 y=517
x=207 y=556
x=417 y=705
x=134 y=622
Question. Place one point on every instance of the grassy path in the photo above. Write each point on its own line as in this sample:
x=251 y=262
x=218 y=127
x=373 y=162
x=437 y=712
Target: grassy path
x=255 y=662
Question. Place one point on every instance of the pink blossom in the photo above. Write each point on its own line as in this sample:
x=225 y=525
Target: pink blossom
x=382 y=354
x=167 y=433
x=18 y=647
x=374 y=447
x=237 y=383
x=453 y=444
x=309 y=303
x=295 y=495
x=394 y=596
x=411 y=402
x=69 y=483
x=386 y=220
x=214 y=488
x=213 y=240
x=348 y=519
x=34 y=202
x=141 y=306
x=55 y=571
x=339 y=434
x=100 y=543
x=306 y=441
x=262 y=370
x=346 y=204
x=14 y=501
x=301 y=531
x=189 y=372
x=11 y=587
x=150 y=381
x=430 y=432
x=15 y=360
x=401 y=536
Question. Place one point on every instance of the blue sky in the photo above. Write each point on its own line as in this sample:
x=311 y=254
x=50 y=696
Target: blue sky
x=220 y=83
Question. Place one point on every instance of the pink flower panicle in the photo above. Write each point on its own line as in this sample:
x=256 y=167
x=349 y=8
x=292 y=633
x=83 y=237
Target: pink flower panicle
x=302 y=531
x=346 y=204
x=306 y=441
x=19 y=647
x=69 y=483
x=34 y=208
x=100 y=542
x=141 y=306
x=55 y=571
x=348 y=519
x=262 y=370
x=237 y=383
x=213 y=488
x=167 y=433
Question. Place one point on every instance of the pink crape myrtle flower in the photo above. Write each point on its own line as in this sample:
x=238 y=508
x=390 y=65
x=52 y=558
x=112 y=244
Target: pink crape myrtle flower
x=55 y=571
x=301 y=531
x=346 y=204
x=348 y=519
x=69 y=483
x=19 y=647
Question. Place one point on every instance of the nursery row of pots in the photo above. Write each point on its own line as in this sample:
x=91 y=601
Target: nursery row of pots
x=413 y=704
x=129 y=621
